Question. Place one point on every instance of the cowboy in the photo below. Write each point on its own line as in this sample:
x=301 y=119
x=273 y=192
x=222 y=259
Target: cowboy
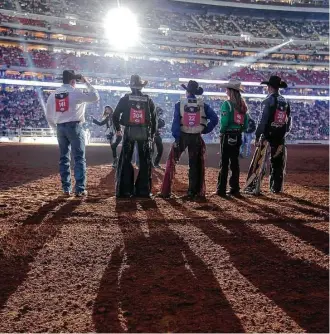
x=192 y=118
x=107 y=120
x=234 y=120
x=274 y=123
x=136 y=112
x=247 y=137
x=65 y=113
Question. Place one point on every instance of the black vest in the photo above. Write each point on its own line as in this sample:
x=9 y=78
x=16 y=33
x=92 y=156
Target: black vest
x=278 y=118
x=137 y=111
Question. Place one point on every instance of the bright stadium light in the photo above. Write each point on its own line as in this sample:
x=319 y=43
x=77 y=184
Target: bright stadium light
x=121 y=28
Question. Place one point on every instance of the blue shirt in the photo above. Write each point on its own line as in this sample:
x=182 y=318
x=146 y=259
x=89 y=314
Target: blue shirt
x=209 y=113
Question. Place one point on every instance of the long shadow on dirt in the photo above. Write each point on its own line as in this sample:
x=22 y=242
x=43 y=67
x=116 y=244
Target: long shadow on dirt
x=163 y=286
x=299 y=288
x=19 y=247
x=297 y=227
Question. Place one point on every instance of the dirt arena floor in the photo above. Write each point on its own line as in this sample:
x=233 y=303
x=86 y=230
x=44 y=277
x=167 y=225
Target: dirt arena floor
x=106 y=265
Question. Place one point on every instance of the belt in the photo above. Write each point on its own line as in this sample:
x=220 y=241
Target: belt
x=233 y=131
x=72 y=122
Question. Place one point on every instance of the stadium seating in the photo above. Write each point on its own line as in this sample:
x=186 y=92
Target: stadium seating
x=23 y=109
x=221 y=25
x=14 y=56
x=7 y=4
x=297 y=29
x=176 y=21
x=316 y=77
x=257 y=27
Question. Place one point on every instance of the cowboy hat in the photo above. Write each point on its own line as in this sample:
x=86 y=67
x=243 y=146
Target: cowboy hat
x=232 y=84
x=136 y=82
x=193 y=88
x=69 y=75
x=275 y=82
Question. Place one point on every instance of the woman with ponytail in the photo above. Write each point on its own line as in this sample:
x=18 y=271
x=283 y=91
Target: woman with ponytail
x=234 y=121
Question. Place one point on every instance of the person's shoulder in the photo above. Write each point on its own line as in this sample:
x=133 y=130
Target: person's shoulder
x=124 y=98
x=270 y=99
x=225 y=104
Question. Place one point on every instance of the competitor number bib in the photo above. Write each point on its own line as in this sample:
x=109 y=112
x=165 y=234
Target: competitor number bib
x=62 y=102
x=238 y=118
x=280 y=117
x=137 y=116
x=191 y=116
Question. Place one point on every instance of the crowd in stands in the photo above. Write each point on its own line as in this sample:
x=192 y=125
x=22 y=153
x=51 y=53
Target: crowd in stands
x=221 y=25
x=89 y=10
x=23 y=109
x=43 y=7
x=297 y=29
x=151 y=37
x=312 y=121
x=7 y=4
x=175 y=21
x=92 y=10
x=12 y=56
x=303 y=3
x=22 y=20
x=315 y=77
x=113 y=66
x=258 y=27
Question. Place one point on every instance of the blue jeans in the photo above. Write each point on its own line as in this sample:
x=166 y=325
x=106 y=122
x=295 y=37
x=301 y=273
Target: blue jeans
x=246 y=144
x=71 y=136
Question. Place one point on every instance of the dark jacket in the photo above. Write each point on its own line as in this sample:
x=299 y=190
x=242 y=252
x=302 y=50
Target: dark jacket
x=121 y=113
x=106 y=121
x=160 y=120
x=267 y=124
x=209 y=113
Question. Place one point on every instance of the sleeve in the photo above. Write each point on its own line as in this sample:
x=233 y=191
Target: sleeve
x=116 y=114
x=91 y=96
x=289 y=124
x=153 y=117
x=225 y=113
x=95 y=121
x=50 y=111
x=176 y=124
x=212 y=117
x=263 y=119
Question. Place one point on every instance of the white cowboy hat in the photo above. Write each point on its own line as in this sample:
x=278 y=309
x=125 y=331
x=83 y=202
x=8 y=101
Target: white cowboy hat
x=232 y=84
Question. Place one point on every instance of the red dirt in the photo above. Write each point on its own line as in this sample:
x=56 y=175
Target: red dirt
x=239 y=265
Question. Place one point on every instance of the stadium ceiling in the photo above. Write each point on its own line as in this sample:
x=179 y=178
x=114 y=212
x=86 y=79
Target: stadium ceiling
x=218 y=3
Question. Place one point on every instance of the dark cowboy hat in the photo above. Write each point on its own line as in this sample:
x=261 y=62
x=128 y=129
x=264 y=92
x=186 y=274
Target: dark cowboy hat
x=193 y=88
x=69 y=75
x=232 y=84
x=136 y=82
x=275 y=82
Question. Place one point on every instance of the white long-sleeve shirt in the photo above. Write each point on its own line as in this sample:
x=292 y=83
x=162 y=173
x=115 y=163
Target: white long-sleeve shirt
x=68 y=104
